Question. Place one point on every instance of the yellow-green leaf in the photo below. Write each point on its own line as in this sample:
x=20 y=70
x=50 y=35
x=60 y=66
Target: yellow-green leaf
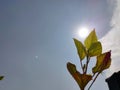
x=90 y=39
x=81 y=79
x=80 y=49
x=95 y=49
x=103 y=62
x=71 y=68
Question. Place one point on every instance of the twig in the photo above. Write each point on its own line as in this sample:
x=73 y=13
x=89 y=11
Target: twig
x=81 y=66
x=88 y=59
x=93 y=81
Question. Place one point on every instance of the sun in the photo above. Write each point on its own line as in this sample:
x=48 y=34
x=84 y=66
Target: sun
x=83 y=32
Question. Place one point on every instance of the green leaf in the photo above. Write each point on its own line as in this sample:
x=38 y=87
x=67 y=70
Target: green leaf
x=71 y=68
x=80 y=49
x=1 y=77
x=103 y=62
x=90 y=39
x=95 y=49
x=81 y=79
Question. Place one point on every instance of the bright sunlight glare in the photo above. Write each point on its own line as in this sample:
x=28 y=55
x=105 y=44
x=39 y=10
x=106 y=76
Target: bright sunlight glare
x=83 y=32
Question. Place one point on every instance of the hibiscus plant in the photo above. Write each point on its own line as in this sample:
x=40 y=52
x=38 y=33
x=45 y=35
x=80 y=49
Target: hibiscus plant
x=91 y=48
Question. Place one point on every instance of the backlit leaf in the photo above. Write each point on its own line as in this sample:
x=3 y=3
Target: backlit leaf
x=81 y=79
x=90 y=39
x=80 y=49
x=71 y=68
x=95 y=49
x=103 y=62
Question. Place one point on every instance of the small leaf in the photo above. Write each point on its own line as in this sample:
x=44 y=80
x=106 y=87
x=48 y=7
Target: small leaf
x=95 y=49
x=80 y=49
x=1 y=77
x=90 y=39
x=71 y=68
x=103 y=62
x=81 y=79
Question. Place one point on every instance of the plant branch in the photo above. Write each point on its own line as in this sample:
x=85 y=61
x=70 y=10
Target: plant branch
x=93 y=80
x=81 y=66
x=87 y=61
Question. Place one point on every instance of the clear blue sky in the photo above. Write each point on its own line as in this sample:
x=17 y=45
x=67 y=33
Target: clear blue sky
x=36 y=41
